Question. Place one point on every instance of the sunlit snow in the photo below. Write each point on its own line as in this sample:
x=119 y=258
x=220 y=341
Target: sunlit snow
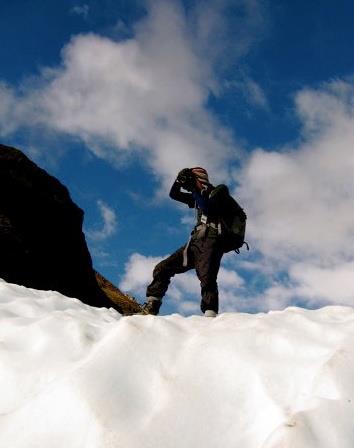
x=81 y=377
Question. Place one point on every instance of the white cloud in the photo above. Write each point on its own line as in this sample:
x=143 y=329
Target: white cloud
x=109 y=226
x=225 y=27
x=255 y=94
x=331 y=285
x=138 y=273
x=188 y=220
x=81 y=10
x=299 y=203
x=307 y=284
x=229 y=279
x=143 y=96
x=277 y=296
x=299 y=200
x=252 y=92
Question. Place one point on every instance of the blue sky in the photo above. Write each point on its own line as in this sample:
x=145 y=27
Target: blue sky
x=114 y=97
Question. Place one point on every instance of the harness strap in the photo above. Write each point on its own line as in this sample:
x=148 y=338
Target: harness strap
x=213 y=225
x=185 y=253
x=203 y=219
x=209 y=224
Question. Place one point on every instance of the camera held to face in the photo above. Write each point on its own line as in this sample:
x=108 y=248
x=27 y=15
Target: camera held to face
x=187 y=179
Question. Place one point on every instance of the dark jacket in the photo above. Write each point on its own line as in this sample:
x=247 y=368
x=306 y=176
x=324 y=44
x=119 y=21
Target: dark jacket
x=211 y=202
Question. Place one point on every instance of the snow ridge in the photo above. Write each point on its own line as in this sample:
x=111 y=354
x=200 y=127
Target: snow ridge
x=73 y=375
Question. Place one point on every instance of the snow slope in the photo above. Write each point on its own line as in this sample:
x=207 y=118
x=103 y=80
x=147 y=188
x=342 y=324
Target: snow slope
x=80 y=377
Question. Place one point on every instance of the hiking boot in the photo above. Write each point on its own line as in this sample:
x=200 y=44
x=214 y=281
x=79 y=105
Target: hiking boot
x=152 y=306
x=210 y=313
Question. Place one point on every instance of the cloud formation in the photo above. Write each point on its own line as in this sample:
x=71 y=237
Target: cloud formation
x=109 y=225
x=145 y=96
x=300 y=199
x=300 y=202
x=81 y=10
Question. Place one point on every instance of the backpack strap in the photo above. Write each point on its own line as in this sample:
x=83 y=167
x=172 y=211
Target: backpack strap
x=247 y=247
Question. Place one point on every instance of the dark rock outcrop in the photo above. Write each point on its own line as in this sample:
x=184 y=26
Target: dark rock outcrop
x=42 y=244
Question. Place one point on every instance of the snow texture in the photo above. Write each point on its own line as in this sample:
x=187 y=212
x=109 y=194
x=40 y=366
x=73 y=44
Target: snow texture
x=82 y=377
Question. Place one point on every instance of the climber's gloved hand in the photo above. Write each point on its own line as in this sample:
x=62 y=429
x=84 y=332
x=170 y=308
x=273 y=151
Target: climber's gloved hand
x=183 y=175
x=186 y=178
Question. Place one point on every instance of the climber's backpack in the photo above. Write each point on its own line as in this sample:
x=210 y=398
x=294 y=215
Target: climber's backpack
x=233 y=225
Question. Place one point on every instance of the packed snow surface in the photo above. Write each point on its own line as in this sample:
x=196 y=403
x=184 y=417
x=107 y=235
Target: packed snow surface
x=81 y=377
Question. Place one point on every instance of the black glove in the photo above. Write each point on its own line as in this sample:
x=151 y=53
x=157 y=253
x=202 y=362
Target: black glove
x=183 y=175
x=186 y=178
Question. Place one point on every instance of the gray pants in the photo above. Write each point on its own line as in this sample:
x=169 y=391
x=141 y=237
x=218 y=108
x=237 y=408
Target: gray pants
x=204 y=255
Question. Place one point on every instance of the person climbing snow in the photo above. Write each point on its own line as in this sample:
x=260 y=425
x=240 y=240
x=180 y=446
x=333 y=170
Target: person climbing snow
x=210 y=239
